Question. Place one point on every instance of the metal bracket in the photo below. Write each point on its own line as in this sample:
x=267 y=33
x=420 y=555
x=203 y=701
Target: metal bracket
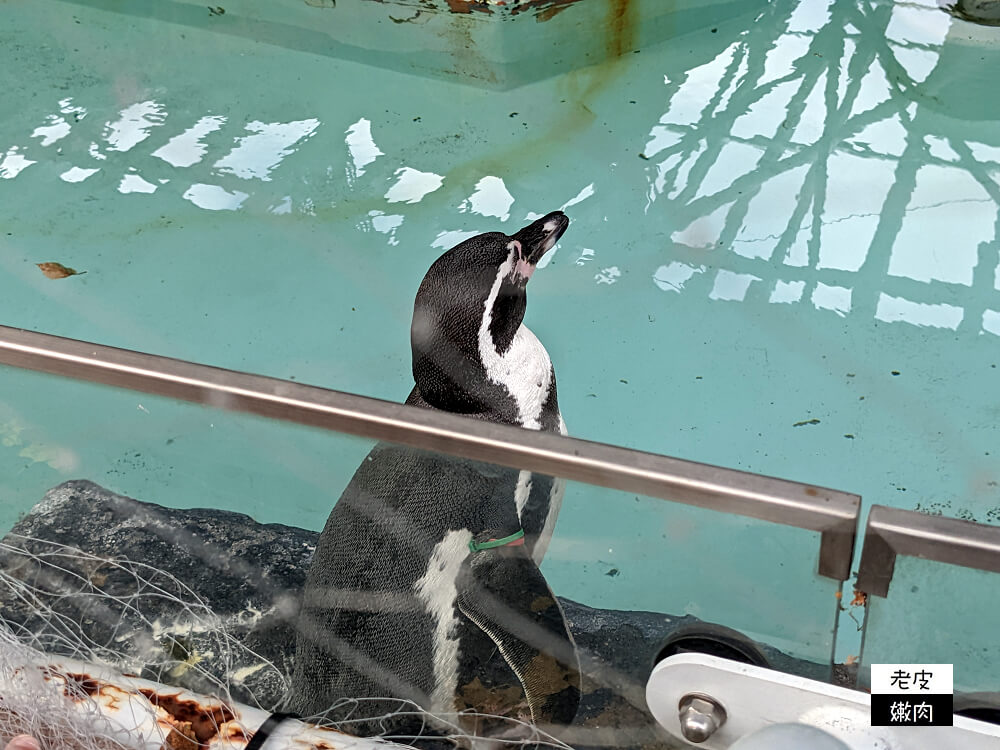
x=893 y=531
x=836 y=550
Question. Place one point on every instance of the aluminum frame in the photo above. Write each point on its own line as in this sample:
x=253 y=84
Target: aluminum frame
x=832 y=513
x=890 y=532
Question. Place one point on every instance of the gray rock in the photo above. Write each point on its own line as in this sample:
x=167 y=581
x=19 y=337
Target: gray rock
x=244 y=574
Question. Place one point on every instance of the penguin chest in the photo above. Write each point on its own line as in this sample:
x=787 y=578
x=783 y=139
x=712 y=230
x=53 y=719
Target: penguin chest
x=437 y=591
x=525 y=372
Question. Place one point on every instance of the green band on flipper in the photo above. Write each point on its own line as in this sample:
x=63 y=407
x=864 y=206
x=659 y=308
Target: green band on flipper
x=475 y=546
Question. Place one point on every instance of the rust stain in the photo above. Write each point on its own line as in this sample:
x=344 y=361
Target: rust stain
x=82 y=683
x=190 y=723
x=467 y=6
x=860 y=599
x=186 y=723
x=205 y=721
x=812 y=492
x=621 y=27
x=545 y=15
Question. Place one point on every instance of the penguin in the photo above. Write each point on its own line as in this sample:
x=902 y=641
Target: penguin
x=424 y=589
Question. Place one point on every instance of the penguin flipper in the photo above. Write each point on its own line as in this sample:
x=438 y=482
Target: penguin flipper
x=506 y=596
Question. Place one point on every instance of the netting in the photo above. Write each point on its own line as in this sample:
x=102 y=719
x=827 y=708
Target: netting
x=66 y=609
x=29 y=705
x=59 y=610
x=59 y=606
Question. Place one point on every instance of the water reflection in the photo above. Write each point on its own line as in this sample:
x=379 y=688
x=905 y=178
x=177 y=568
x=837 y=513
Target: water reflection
x=58 y=127
x=253 y=157
x=819 y=141
x=917 y=313
x=362 y=147
x=134 y=126
x=835 y=298
x=491 y=198
x=829 y=164
x=214 y=198
x=786 y=292
x=133 y=183
x=673 y=277
x=257 y=155
x=77 y=174
x=187 y=149
x=385 y=223
x=731 y=286
x=412 y=185
x=13 y=163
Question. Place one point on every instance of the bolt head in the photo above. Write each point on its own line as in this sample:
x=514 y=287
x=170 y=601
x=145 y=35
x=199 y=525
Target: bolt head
x=700 y=717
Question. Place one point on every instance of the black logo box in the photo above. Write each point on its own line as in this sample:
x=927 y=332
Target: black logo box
x=912 y=710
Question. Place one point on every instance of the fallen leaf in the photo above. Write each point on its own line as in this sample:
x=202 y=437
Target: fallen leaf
x=57 y=270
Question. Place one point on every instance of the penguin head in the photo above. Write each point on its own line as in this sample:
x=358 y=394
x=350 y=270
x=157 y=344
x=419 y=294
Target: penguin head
x=472 y=297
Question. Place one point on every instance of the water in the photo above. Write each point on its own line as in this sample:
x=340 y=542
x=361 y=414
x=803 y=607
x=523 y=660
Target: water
x=783 y=258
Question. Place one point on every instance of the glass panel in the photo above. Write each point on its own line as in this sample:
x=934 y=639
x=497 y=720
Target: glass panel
x=938 y=614
x=638 y=554
x=169 y=452
x=196 y=582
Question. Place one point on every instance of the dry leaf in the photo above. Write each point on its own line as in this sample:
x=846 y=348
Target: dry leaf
x=57 y=270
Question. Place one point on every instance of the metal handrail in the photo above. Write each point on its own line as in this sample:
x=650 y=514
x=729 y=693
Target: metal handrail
x=832 y=513
x=893 y=531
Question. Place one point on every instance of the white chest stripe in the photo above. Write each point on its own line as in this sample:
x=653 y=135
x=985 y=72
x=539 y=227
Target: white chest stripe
x=437 y=591
x=525 y=369
x=522 y=492
x=555 y=503
x=545 y=536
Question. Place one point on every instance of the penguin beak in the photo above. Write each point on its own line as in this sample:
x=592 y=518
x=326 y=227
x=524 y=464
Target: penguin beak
x=535 y=240
x=539 y=237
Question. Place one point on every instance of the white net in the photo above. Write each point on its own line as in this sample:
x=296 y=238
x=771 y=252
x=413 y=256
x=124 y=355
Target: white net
x=58 y=608
x=62 y=603
x=61 y=595
x=29 y=705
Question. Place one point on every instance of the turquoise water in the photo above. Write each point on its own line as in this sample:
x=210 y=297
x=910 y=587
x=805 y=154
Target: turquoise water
x=783 y=258
x=958 y=633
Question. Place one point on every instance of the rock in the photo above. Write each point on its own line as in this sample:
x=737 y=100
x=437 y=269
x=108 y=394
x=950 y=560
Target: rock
x=203 y=589
x=206 y=599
